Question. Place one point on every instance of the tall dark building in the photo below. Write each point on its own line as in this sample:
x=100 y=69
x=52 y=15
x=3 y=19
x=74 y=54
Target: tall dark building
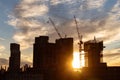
x=52 y=55
x=14 y=60
x=93 y=53
x=43 y=53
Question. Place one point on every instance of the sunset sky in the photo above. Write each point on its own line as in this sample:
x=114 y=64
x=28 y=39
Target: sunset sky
x=22 y=20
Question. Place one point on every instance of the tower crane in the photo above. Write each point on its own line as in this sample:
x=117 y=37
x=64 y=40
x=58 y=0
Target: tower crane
x=80 y=40
x=55 y=27
x=79 y=36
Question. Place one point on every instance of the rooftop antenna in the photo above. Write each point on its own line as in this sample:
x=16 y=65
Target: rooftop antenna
x=95 y=39
x=55 y=27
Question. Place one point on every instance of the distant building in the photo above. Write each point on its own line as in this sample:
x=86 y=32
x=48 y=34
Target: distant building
x=14 y=60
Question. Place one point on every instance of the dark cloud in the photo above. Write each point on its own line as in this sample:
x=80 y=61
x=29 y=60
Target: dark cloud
x=111 y=55
x=112 y=59
x=3 y=61
x=26 y=62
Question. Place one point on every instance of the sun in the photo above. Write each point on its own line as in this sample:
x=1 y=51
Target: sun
x=76 y=63
x=76 y=60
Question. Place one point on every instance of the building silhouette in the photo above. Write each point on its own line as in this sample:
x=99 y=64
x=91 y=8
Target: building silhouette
x=52 y=61
x=64 y=53
x=49 y=59
x=43 y=54
x=95 y=68
x=93 y=53
x=14 y=59
x=52 y=55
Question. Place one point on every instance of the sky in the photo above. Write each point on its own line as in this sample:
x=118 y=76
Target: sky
x=23 y=20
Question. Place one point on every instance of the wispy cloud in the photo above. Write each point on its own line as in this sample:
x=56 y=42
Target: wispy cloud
x=2 y=53
x=112 y=56
x=3 y=61
x=2 y=48
x=2 y=39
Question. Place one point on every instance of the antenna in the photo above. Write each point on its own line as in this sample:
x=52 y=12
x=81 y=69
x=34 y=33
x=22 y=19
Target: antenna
x=55 y=27
x=95 y=39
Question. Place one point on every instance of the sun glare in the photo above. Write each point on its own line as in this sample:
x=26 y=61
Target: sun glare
x=77 y=64
x=76 y=60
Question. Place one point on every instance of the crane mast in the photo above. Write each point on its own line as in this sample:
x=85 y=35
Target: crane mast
x=79 y=36
x=55 y=27
x=80 y=40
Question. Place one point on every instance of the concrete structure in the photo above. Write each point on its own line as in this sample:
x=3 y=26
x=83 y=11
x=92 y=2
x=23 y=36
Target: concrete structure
x=93 y=53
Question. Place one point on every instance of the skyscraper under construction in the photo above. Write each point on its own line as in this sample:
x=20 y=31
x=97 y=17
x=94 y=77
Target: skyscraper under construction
x=93 y=53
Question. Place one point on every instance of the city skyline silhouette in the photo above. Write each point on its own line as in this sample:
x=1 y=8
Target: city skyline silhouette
x=53 y=61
